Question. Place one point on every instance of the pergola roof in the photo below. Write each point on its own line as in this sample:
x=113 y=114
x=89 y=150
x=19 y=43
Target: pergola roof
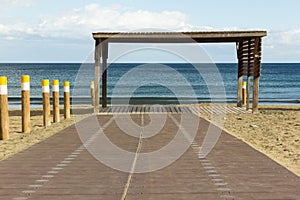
x=183 y=37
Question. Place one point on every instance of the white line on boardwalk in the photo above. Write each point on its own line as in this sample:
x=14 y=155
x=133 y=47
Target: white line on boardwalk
x=134 y=161
x=58 y=167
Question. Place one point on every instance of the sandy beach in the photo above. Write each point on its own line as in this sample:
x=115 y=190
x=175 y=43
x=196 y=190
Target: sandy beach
x=274 y=132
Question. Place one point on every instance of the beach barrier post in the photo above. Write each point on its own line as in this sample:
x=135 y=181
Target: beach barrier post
x=244 y=93
x=4 y=119
x=239 y=92
x=46 y=103
x=92 y=93
x=55 y=100
x=25 y=86
x=67 y=99
x=248 y=92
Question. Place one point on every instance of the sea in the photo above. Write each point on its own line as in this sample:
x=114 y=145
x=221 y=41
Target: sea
x=155 y=83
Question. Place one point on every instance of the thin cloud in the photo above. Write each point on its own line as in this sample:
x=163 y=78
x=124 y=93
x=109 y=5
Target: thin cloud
x=9 y=4
x=93 y=17
x=81 y=22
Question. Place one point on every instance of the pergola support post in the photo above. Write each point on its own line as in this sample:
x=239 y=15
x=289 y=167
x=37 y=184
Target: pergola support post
x=248 y=92
x=240 y=94
x=104 y=73
x=256 y=74
x=240 y=74
x=97 y=75
x=255 y=94
x=249 y=75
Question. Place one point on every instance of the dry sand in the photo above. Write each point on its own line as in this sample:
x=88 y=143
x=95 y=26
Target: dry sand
x=275 y=132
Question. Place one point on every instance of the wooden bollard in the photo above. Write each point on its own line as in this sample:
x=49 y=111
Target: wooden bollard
x=92 y=93
x=25 y=86
x=46 y=103
x=4 y=119
x=55 y=100
x=67 y=100
x=244 y=93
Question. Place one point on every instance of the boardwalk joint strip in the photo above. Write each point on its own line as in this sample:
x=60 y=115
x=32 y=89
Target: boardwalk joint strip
x=35 y=186
x=57 y=168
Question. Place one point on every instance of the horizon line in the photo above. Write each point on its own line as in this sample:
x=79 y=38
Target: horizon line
x=170 y=62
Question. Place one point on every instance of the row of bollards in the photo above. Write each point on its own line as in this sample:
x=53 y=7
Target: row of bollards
x=25 y=87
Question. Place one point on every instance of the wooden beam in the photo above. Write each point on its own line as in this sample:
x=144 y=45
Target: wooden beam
x=256 y=73
x=104 y=73
x=173 y=37
x=97 y=75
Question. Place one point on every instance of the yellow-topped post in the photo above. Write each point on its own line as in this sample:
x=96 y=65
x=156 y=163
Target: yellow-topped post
x=92 y=93
x=244 y=93
x=25 y=87
x=4 y=119
x=55 y=100
x=67 y=99
x=46 y=102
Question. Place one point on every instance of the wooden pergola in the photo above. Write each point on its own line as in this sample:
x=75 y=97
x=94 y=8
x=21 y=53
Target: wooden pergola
x=248 y=45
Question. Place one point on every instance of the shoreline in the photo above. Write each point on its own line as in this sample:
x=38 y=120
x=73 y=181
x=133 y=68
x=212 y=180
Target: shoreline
x=274 y=131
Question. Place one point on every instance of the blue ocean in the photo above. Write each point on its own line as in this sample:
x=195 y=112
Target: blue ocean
x=279 y=82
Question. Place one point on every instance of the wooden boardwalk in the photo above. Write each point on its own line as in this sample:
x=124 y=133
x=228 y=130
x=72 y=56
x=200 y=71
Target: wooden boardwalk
x=174 y=109
x=61 y=168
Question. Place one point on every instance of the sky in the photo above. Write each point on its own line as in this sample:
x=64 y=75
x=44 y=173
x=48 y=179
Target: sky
x=61 y=31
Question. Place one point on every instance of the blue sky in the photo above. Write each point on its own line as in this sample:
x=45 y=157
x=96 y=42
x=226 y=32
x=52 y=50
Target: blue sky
x=60 y=31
